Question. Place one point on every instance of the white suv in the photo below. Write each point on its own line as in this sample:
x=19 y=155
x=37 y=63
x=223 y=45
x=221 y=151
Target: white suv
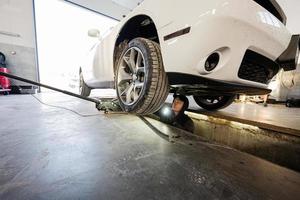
x=212 y=50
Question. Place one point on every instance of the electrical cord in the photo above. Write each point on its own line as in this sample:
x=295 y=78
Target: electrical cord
x=64 y=108
x=192 y=135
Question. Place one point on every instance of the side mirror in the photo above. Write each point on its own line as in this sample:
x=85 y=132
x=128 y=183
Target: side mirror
x=94 y=33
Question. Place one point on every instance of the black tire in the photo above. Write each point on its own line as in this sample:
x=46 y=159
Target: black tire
x=84 y=90
x=155 y=87
x=214 y=102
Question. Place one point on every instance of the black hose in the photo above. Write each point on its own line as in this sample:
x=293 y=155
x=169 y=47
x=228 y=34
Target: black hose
x=48 y=87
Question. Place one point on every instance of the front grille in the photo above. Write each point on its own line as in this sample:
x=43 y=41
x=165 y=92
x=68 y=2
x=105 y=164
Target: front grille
x=252 y=72
x=257 y=68
x=273 y=7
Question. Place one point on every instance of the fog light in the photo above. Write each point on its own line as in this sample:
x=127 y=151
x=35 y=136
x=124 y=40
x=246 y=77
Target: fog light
x=212 y=62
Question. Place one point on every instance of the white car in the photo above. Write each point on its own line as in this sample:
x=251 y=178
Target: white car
x=212 y=50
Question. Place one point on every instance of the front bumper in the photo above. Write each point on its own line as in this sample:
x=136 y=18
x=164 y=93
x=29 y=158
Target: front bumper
x=288 y=60
x=231 y=34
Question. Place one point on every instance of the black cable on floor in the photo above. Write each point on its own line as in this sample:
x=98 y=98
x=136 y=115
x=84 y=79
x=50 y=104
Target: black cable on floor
x=154 y=129
x=64 y=108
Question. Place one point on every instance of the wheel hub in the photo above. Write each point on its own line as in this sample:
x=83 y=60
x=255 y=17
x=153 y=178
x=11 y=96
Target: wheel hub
x=134 y=77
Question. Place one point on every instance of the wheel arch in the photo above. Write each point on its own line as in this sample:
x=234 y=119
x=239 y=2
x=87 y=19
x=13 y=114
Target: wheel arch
x=140 y=25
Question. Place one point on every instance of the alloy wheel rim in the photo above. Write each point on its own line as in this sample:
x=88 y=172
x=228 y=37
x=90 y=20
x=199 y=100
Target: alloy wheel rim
x=131 y=76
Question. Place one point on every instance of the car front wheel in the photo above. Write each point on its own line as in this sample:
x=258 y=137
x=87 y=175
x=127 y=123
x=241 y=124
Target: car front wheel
x=141 y=82
x=214 y=102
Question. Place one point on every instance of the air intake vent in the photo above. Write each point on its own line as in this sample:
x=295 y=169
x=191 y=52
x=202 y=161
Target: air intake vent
x=257 y=68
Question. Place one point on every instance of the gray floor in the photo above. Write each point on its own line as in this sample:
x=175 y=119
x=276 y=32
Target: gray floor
x=51 y=153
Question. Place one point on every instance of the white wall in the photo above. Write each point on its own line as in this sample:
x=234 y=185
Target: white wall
x=17 y=38
x=106 y=7
x=17 y=18
x=113 y=8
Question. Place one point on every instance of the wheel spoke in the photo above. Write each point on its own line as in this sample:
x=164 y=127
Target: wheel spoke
x=126 y=59
x=125 y=91
x=124 y=79
x=123 y=76
x=138 y=63
x=132 y=60
x=139 y=84
x=140 y=67
x=129 y=94
x=135 y=94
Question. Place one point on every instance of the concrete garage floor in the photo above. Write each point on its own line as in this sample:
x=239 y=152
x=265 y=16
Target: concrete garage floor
x=51 y=153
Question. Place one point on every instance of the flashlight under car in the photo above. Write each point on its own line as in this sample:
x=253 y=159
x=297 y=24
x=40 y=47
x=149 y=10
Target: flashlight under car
x=166 y=111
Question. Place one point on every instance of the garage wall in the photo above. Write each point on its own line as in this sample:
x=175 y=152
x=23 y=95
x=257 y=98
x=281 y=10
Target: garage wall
x=105 y=7
x=17 y=37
